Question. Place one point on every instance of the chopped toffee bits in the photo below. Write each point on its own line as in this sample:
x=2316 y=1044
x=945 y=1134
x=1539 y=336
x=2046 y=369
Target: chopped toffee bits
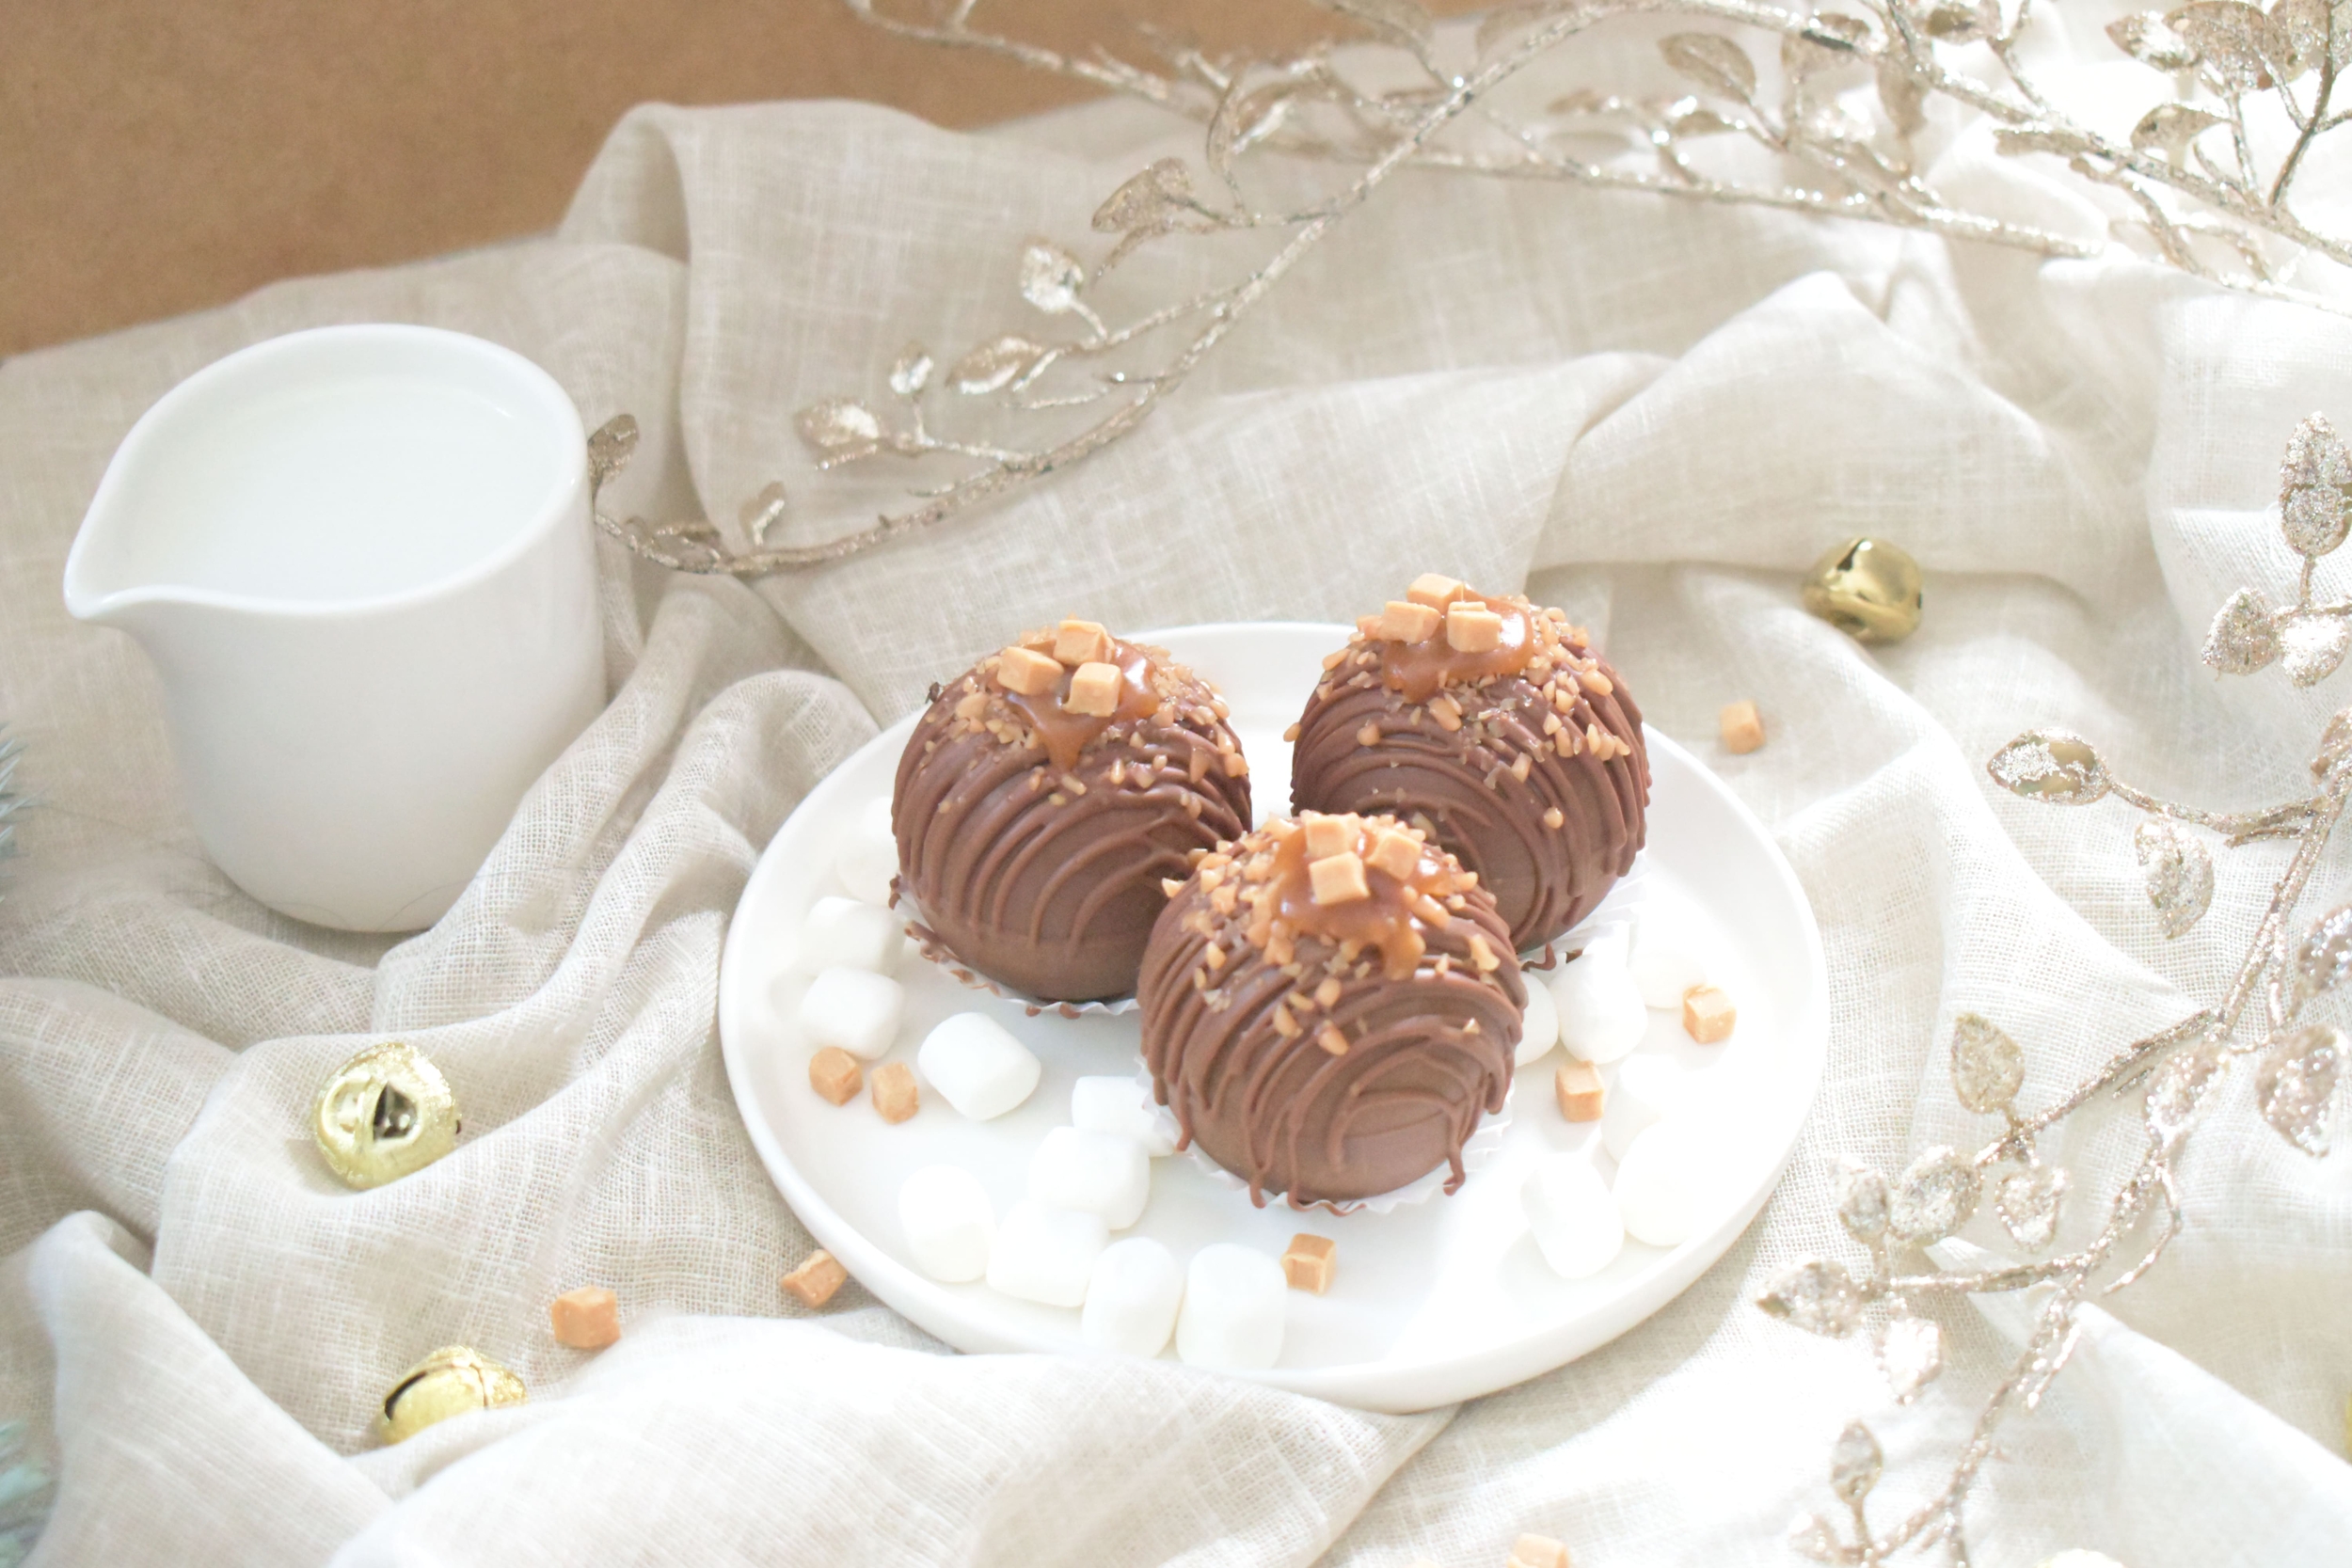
x=1708 y=1015
x=586 y=1318
x=834 y=1073
x=1743 y=727
x=1579 y=1087
x=1308 y=1262
x=894 y=1091
x=814 y=1282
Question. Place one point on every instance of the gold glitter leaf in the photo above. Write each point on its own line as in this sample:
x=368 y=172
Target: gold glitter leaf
x=2236 y=41
x=2311 y=647
x=2324 y=961
x=2299 y=31
x=762 y=513
x=1911 y=1352
x=1050 y=276
x=2169 y=127
x=2245 y=635
x=1932 y=1198
x=1954 y=23
x=1809 y=1535
x=2050 y=765
x=1904 y=99
x=838 y=428
x=1861 y=1199
x=912 y=372
x=1855 y=1462
x=611 y=448
x=2145 y=37
x=1988 y=1068
x=2295 y=1084
x=992 y=366
x=2177 y=1091
x=2179 y=874
x=2026 y=1204
x=2315 y=488
x=1713 y=61
x=1817 y=1296
x=1152 y=202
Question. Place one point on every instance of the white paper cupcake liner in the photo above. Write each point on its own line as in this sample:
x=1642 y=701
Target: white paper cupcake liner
x=1620 y=908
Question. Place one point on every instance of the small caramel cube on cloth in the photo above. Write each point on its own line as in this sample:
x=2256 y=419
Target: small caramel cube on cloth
x=1579 y=1087
x=815 y=1281
x=895 y=1094
x=1708 y=1015
x=1743 y=727
x=1537 y=1551
x=586 y=1318
x=1308 y=1260
x=834 y=1073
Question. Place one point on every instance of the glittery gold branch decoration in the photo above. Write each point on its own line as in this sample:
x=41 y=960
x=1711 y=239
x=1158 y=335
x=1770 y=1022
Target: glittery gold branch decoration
x=1817 y=111
x=2177 y=1070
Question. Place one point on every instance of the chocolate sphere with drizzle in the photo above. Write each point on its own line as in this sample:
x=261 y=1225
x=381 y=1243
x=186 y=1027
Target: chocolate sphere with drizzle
x=1491 y=723
x=1046 y=794
x=1330 y=1006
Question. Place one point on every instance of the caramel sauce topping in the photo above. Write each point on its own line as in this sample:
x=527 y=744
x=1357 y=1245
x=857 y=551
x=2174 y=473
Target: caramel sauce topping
x=1064 y=734
x=1420 y=669
x=1390 y=915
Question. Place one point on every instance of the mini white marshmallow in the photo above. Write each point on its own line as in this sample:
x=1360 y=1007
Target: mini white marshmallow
x=1649 y=1088
x=1602 y=1016
x=948 y=1221
x=842 y=933
x=1539 y=1029
x=853 y=1008
x=1104 y=1173
x=1234 y=1303
x=868 y=857
x=1046 y=1255
x=1663 y=968
x=1573 y=1217
x=976 y=1066
x=1123 y=1105
x=1131 y=1298
x=1668 y=1178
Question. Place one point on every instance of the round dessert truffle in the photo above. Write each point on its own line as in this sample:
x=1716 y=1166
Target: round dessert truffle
x=1329 y=1005
x=1047 y=793
x=1491 y=725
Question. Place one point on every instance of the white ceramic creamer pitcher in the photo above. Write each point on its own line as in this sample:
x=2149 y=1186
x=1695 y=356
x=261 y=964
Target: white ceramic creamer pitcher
x=360 y=559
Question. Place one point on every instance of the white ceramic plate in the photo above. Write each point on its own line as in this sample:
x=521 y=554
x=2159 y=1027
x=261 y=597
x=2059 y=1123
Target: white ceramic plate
x=1436 y=1302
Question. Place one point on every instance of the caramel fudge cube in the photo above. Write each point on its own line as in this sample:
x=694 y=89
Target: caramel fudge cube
x=1708 y=1015
x=894 y=1091
x=586 y=1318
x=1433 y=588
x=1094 y=690
x=1337 y=879
x=815 y=1281
x=1472 y=628
x=1077 y=643
x=1308 y=1260
x=834 y=1073
x=1537 y=1551
x=1579 y=1087
x=1743 y=727
x=1028 y=671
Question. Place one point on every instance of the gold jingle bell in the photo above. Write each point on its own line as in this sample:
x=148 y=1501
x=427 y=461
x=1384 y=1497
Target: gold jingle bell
x=452 y=1381
x=1867 y=589
x=385 y=1113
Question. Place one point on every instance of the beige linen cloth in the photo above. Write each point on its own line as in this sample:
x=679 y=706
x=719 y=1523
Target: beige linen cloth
x=1653 y=414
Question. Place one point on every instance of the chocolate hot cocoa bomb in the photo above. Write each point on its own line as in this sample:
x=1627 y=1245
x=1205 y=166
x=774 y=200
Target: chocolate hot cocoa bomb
x=1491 y=723
x=1046 y=794
x=1330 y=1006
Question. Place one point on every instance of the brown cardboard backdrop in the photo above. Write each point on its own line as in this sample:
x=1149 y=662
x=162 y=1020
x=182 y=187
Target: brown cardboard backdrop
x=161 y=155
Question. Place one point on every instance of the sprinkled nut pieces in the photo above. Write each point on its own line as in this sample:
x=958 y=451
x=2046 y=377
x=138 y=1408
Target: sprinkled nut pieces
x=895 y=1094
x=1308 y=1260
x=834 y=1073
x=1867 y=589
x=383 y=1114
x=1708 y=1015
x=586 y=1318
x=452 y=1381
x=815 y=1281
x=1743 y=727
x=1578 y=1088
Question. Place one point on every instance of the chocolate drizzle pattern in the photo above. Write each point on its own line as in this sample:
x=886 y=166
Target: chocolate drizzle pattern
x=1525 y=759
x=1036 y=836
x=1329 y=1048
